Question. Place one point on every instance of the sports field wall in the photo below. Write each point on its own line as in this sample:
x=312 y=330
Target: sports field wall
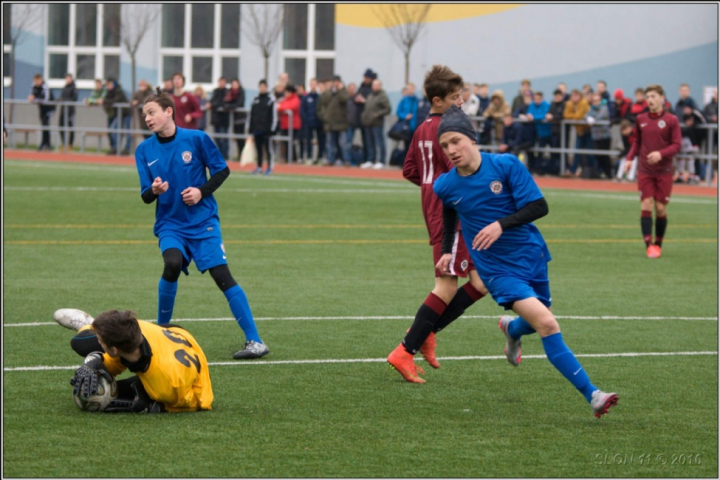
x=626 y=45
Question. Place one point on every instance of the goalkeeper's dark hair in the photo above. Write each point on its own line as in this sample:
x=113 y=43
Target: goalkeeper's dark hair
x=118 y=329
x=440 y=82
x=163 y=99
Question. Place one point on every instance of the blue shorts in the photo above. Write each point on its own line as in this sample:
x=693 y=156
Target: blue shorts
x=506 y=289
x=207 y=252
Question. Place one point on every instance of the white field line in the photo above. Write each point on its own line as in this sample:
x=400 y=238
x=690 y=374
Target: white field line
x=395 y=317
x=382 y=360
x=634 y=198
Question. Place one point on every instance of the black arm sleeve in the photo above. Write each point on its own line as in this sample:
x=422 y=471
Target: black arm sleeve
x=529 y=213
x=450 y=219
x=148 y=196
x=214 y=182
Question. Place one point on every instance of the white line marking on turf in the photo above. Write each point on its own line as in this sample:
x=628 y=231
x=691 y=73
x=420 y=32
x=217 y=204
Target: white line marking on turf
x=634 y=198
x=396 y=317
x=381 y=360
x=236 y=190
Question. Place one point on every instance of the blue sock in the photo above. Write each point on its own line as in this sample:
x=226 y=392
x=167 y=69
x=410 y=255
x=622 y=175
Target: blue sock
x=519 y=327
x=166 y=300
x=564 y=360
x=241 y=311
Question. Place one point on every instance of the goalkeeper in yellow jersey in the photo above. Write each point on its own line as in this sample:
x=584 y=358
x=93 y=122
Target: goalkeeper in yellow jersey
x=171 y=371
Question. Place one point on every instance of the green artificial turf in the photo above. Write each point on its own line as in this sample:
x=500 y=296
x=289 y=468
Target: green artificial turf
x=352 y=255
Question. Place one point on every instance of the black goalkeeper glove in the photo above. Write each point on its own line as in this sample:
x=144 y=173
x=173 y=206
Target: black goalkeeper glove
x=140 y=403
x=86 y=377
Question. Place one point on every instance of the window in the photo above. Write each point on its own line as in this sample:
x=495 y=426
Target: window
x=296 y=27
x=200 y=40
x=83 y=39
x=308 y=42
x=6 y=65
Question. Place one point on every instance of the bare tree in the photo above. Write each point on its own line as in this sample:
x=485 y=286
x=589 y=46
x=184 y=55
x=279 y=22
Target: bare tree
x=23 y=18
x=135 y=23
x=262 y=24
x=405 y=23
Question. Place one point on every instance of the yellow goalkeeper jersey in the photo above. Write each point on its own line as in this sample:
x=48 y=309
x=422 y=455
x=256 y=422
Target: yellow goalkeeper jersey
x=178 y=375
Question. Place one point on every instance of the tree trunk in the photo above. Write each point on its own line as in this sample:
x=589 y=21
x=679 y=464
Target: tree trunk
x=407 y=67
x=267 y=61
x=133 y=118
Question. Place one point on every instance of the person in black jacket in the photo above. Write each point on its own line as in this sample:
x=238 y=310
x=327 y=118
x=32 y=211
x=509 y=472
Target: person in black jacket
x=220 y=118
x=67 y=113
x=42 y=93
x=115 y=94
x=311 y=123
x=555 y=116
x=263 y=119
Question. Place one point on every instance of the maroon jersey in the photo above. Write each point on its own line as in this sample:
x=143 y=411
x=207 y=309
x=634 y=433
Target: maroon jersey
x=424 y=163
x=184 y=104
x=656 y=132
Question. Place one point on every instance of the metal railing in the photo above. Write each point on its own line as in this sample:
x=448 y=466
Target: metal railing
x=708 y=155
x=66 y=129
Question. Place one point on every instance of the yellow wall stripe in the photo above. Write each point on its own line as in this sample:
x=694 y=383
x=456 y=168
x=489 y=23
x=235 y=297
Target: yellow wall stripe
x=366 y=15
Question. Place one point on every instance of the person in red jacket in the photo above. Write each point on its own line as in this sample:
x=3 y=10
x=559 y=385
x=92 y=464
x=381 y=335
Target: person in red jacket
x=187 y=108
x=657 y=141
x=290 y=101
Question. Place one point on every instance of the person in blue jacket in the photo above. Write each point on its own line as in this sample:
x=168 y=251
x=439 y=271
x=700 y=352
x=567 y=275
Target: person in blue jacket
x=536 y=112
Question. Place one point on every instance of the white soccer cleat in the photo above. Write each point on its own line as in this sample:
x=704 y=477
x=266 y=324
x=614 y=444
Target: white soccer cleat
x=72 y=318
x=513 y=350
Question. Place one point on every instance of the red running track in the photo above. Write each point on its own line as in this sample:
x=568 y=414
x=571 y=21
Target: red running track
x=385 y=174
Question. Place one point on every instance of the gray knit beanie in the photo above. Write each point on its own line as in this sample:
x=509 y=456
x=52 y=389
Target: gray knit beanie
x=455 y=120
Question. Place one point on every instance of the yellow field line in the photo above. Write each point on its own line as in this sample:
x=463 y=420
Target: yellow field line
x=318 y=226
x=326 y=242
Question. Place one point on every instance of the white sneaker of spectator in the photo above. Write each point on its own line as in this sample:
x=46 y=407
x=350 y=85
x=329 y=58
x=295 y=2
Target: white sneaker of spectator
x=367 y=164
x=378 y=166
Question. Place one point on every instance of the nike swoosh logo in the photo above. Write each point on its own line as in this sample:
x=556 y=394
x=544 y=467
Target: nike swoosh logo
x=455 y=203
x=166 y=311
x=643 y=124
x=153 y=161
x=575 y=373
x=224 y=257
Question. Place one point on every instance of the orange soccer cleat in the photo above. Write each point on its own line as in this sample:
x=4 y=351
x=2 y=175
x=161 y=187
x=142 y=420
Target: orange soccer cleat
x=428 y=350
x=653 y=251
x=404 y=363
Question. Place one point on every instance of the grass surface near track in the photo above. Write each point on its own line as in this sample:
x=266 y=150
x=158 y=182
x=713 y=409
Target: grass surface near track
x=80 y=236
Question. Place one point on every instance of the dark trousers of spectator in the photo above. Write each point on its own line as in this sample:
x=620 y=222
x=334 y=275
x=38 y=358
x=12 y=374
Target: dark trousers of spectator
x=223 y=144
x=69 y=122
x=377 y=150
x=604 y=163
x=296 y=134
x=306 y=149
x=587 y=161
x=239 y=128
x=536 y=162
x=366 y=134
x=45 y=121
x=522 y=147
x=262 y=145
x=336 y=145
x=552 y=167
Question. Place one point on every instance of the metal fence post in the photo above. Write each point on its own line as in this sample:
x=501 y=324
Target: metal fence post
x=563 y=159
x=291 y=146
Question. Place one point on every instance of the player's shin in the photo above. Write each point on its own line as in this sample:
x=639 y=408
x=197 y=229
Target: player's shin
x=563 y=359
x=166 y=300
x=463 y=299
x=426 y=317
x=240 y=309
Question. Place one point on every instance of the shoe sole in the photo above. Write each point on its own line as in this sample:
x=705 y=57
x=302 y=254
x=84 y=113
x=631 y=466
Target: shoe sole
x=251 y=357
x=610 y=402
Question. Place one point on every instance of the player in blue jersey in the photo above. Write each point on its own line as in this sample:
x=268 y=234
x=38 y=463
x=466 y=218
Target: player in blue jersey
x=497 y=200
x=172 y=167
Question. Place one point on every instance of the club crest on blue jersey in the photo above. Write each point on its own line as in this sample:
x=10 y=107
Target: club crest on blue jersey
x=496 y=187
x=187 y=156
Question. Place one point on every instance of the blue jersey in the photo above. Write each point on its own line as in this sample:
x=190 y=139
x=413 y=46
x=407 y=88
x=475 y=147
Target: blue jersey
x=181 y=162
x=501 y=186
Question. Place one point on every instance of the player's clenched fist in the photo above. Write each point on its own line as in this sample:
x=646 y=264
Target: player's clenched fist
x=159 y=187
x=191 y=195
x=443 y=265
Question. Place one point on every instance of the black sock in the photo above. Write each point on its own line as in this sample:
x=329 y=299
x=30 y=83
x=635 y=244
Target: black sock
x=660 y=226
x=428 y=313
x=646 y=226
x=465 y=296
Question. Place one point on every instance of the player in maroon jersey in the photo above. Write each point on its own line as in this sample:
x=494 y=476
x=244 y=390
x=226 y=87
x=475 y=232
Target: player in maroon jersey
x=187 y=108
x=657 y=141
x=424 y=163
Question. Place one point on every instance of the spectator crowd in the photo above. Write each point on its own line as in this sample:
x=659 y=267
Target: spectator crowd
x=332 y=123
